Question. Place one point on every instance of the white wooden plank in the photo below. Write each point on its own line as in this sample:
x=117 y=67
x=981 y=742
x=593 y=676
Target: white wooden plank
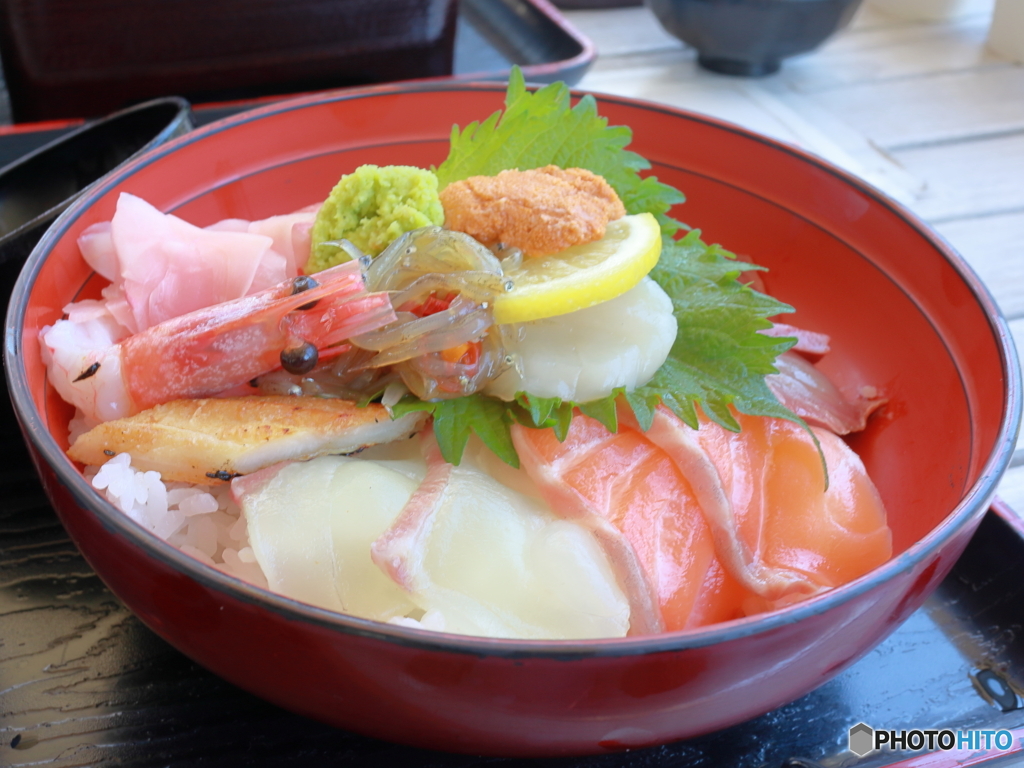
x=933 y=10
x=891 y=52
x=868 y=18
x=994 y=247
x=621 y=31
x=902 y=113
x=974 y=178
x=624 y=65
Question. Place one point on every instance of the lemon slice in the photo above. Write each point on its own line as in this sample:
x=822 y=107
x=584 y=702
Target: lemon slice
x=583 y=275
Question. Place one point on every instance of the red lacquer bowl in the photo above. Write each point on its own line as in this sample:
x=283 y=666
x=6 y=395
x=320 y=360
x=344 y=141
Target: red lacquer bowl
x=904 y=313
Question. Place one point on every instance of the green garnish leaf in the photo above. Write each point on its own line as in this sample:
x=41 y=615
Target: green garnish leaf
x=455 y=419
x=643 y=405
x=604 y=410
x=719 y=359
x=539 y=408
x=411 y=403
x=543 y=412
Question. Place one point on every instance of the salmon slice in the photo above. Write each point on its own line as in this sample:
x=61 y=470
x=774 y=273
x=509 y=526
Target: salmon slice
x=635 y=486
x=722 y=523
x=772 y=473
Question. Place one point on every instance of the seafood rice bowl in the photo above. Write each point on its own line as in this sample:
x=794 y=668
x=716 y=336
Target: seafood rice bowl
x=462 y=438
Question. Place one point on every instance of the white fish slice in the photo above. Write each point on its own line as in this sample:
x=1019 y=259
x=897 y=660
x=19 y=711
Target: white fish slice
x=215 y=439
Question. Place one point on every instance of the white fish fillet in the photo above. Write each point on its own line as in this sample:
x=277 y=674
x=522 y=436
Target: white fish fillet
x=493 y=562
x=211 y=439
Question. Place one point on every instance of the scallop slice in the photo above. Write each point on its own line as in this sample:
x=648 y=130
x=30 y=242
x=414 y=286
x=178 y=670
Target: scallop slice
x=586 y=354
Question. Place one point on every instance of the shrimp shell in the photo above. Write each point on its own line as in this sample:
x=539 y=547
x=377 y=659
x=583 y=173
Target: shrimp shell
x=205 y=352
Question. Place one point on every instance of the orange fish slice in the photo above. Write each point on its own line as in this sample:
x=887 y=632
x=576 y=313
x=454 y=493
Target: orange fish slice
x=772 y=473
x=626 y=480
x=722 y=523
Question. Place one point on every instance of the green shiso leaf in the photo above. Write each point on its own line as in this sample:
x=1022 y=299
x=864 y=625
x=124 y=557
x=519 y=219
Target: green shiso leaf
x=456 y=419
x=719 y=358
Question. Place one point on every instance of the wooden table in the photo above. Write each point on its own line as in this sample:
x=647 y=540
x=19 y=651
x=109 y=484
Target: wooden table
x=920 y=109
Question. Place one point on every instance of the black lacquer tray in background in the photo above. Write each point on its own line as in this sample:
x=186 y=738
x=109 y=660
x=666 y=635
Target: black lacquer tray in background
x=491 y=36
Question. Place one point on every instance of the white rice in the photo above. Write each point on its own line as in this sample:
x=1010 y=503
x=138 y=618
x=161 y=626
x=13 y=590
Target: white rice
x=202 y=521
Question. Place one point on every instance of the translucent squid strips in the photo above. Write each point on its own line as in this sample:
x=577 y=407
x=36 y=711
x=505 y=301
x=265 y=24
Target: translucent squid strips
x=444 y=342
x=208 y=351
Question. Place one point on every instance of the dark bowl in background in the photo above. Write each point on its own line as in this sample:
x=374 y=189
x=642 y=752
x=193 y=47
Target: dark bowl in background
x=37 y=188
x=752 y=37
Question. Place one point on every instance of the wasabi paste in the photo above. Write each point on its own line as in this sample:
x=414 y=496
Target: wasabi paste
x=371 y=207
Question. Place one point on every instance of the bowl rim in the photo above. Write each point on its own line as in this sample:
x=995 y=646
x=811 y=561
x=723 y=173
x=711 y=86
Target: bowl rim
x=972 y=505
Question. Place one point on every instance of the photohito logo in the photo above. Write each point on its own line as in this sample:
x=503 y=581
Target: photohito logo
x=865 y=739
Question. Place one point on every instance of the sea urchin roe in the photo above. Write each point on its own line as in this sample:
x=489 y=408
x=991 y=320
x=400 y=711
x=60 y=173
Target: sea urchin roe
x=541 y=211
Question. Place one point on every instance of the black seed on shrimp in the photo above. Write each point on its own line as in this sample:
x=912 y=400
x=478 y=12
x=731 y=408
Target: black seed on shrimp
x=301 y=359
x=221 y=474
x=254 y=382
x=108 y=452
x=90 y=371
x=304 y=283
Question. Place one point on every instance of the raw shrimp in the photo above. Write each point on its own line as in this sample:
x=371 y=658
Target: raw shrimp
x=211 y=350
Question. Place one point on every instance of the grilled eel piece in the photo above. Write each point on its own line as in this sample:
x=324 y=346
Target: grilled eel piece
x=216 y=439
